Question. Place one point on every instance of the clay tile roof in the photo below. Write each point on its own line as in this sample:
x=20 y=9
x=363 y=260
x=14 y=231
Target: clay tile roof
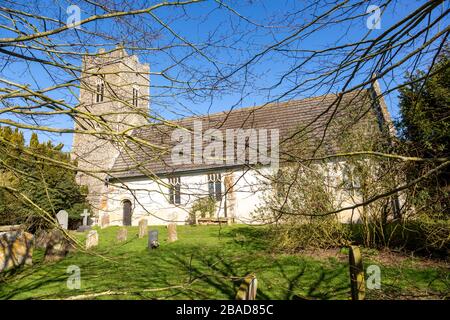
x=153 y=157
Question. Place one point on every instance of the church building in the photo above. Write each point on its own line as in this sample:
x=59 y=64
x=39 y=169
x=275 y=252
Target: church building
x=138 y=167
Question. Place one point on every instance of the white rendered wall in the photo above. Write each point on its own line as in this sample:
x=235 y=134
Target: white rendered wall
x=150 y=198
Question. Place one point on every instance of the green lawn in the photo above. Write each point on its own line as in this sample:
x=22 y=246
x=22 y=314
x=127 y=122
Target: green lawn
x=206 y=263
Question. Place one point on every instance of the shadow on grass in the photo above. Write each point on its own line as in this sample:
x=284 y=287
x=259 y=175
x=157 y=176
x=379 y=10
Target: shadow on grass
x=214 y=275
x=45 y=279
x=208 y=263
x=252 y=238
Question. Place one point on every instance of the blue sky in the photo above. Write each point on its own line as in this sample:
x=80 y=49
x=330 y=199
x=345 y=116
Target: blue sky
x=202 y=23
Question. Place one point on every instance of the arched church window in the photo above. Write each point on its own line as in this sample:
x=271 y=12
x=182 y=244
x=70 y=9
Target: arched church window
x=175 y=190
x=100 y=90
x=135 y=97
x=351 y=181
x=215 y=186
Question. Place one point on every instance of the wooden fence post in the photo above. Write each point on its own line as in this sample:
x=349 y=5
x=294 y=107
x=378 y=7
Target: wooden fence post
x=247 y=289
x=356 y=273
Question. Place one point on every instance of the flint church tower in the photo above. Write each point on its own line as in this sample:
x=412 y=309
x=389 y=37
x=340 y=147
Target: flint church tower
x=114 y=97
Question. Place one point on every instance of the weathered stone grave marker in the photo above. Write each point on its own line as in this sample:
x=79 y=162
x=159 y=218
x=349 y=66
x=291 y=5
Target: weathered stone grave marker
x=153 y=239
x=16 y=249
x=122 y=234
x=197 y=214
x=105 y=221
x=142 y=228
x=247 y=289
x=63 y=219
x=92 y=239
x=172 y=232
x=57 y=245
x=41 y=238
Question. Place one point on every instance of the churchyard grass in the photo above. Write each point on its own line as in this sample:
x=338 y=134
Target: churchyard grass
x=207 y=263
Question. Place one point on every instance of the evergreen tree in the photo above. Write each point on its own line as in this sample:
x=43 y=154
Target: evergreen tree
x=425 y=130
x=48 y=186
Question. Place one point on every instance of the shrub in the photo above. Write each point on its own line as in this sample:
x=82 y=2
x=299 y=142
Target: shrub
x=46 y=188
x=323 y=233
x=421 y=235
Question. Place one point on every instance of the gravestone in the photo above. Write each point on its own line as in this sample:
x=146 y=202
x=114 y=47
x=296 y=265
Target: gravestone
x=16 y=249
x=153 y=239
x=63 y=219
x=105 y=221
x=172 y=232
x=142 y=228
x=57 y=246
x=247 y=289
x=122 y=234
x=85 y=225
x=198 y=213
x=92 y=239
x=41 y=237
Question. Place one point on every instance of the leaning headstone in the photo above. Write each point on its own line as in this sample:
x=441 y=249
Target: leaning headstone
x=57 y=246
x=105 y=221
x=92 y=239
x=85 y=225
x=16 y=249
x=63 y=219
x=172 y=232
x=153 y=239
x=142 y=228
x=122 y=234
x=356 y=273
x=247 y=289
x=41 y=238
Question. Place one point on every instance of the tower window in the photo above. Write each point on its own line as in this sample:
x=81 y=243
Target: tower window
x=175 y=190
x=135 y=97
x=100 y=90
x=215 y=186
